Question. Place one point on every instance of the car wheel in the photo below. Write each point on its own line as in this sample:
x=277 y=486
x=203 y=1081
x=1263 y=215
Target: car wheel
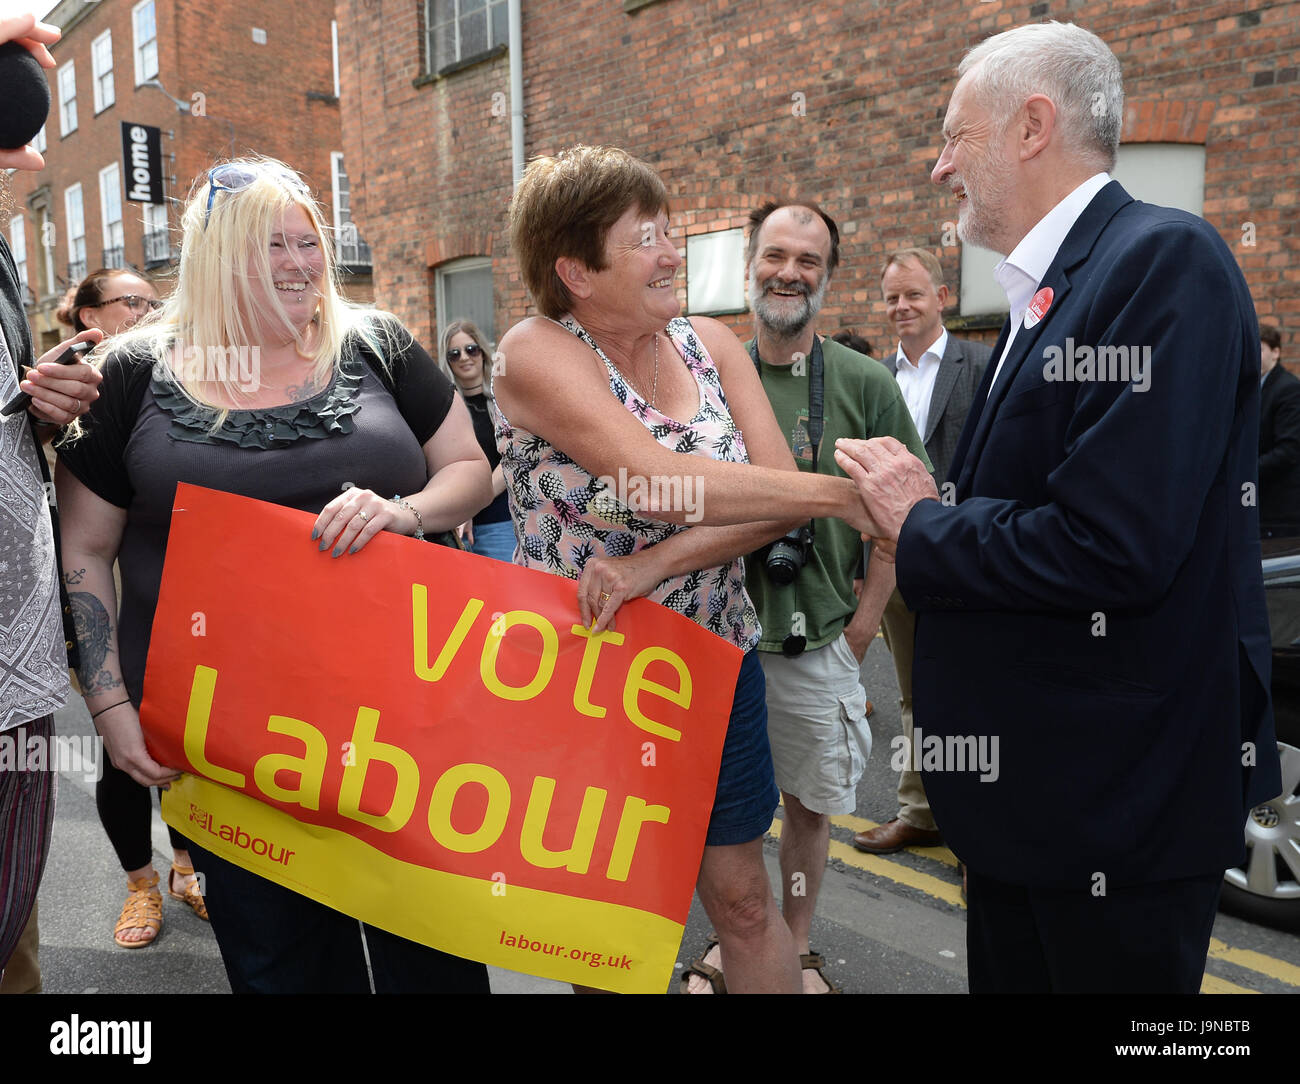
x=1267 y=888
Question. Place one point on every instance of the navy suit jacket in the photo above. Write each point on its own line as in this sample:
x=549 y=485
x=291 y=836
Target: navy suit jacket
x=1094 y=599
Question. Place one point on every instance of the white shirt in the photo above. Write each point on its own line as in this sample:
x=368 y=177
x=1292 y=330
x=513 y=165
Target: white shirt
x=916 y=382
x=1021 y=272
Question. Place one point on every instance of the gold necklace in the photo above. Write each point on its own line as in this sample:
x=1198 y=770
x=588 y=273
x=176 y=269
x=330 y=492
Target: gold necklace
x=654 y=389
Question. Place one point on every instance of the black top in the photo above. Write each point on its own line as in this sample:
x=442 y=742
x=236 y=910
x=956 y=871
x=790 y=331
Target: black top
x=140 y=441
x=499 y=509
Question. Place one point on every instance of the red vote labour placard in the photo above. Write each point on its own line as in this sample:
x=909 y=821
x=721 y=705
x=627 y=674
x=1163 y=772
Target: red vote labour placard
x=431 y=742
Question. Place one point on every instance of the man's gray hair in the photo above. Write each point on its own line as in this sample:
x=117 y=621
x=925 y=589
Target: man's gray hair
x=1072 y=66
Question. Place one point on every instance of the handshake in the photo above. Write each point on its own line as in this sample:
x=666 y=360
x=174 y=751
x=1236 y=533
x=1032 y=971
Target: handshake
x=890 y=481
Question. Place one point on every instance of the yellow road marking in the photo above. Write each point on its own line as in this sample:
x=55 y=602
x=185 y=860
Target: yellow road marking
x=1212 y=984
x=1256 y=961
x=861 y=824
x=882 y=866
x=894 y=871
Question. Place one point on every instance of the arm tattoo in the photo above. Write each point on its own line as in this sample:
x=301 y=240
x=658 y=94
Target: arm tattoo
x=93 y=631
x=74 y=577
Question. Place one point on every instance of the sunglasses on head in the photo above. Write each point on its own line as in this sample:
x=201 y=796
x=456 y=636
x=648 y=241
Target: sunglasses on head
x=471 y=351
x=134 y=302
x=234 y=177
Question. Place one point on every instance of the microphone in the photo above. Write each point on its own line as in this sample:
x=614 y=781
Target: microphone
x=70 y=356
x=26 y=94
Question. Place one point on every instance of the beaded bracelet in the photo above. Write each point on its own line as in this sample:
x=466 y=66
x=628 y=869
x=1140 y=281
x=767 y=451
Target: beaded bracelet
x=402 y=502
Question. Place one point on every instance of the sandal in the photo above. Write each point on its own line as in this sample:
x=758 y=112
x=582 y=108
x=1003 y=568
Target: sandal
x=142 y=911
x=191 y=895
x=706 y=971
x=813 y=961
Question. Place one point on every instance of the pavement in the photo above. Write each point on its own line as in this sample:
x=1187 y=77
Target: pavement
x=886 y=924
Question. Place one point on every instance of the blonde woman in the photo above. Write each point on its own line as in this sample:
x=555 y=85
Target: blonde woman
x=257 y=378
x=467 y=361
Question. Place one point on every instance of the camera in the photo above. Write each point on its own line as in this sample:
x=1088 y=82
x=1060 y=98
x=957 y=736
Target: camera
x=786 y=556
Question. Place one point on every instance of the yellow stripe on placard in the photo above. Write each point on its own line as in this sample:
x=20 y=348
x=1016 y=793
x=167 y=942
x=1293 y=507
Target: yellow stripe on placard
x=589 y=942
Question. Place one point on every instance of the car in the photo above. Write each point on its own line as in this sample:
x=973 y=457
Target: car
x=1266 y=888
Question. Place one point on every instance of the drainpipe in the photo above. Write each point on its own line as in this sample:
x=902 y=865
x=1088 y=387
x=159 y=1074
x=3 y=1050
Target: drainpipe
x=515 y=23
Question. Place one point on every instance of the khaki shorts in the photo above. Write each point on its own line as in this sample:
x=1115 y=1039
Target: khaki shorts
x=817 y=725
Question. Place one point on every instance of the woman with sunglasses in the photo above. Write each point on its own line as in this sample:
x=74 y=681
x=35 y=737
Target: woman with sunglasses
x=114 y=300
x=338 y=396
x=111 y=299
x=468 y=362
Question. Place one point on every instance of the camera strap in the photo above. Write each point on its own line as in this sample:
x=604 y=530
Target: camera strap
x=816 y=392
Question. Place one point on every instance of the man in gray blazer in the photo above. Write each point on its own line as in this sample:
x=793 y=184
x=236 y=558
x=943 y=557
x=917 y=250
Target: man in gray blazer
x=937 y=374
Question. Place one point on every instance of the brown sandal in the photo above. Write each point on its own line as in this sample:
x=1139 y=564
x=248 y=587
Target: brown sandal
x=191 y=895
x=142 y=911
x=814 y=961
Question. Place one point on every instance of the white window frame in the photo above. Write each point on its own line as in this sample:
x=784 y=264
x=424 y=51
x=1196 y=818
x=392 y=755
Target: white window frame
x=453 y=267
x=489 y=7
x=153 y=217
x=76 y=224
x=18 y=245
x=110 y=186
x=39 y=142
x=715 y=272
x=142 y=74
x=342 y=215
x=105 y=92
x=67 y=79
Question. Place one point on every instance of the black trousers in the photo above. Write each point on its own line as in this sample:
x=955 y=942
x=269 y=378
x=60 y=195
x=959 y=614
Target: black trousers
x=274 y=941
x=1137 y=939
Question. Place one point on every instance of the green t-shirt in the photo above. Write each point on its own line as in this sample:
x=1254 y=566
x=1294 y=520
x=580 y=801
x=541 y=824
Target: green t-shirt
x=862 y=400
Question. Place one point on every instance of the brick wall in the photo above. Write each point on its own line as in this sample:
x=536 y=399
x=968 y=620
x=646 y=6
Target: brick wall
x=275 y=98
x=738 y=100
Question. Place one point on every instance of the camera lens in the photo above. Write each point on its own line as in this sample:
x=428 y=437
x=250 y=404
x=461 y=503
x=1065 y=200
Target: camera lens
x=783 y=563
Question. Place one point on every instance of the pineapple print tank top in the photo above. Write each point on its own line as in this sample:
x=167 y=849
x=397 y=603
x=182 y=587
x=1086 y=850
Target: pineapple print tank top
x=564 y=516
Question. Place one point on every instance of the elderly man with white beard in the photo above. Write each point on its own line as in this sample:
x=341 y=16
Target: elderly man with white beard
x=815 y=629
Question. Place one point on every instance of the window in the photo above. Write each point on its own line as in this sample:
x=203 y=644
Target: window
x=76 y=233
x=157 y=240
x=463 y=291
x=101 y=64
x=110 y=214
x=39 y=141
x=715 y=272
x=1170 y=174
x=352 y=251
x=146 y=42
x=67 y=99
x=18 y=245
x=463 y=29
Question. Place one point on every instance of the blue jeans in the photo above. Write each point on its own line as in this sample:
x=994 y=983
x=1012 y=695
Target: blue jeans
x=495 y=540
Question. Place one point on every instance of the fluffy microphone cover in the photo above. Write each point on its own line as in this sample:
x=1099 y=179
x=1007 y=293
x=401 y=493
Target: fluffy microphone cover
x=25 y=94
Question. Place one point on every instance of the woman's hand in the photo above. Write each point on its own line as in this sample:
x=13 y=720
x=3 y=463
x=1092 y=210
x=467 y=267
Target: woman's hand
x=119 y=726
x=608 y=582
x=465 y=532
x=354 y=517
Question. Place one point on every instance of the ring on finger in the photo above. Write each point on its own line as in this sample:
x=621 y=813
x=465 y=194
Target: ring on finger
x=604 y=596
x=363 y=517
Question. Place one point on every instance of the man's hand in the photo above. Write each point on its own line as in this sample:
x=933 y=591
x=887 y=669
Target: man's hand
x=62 y=393
x=889 y=477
